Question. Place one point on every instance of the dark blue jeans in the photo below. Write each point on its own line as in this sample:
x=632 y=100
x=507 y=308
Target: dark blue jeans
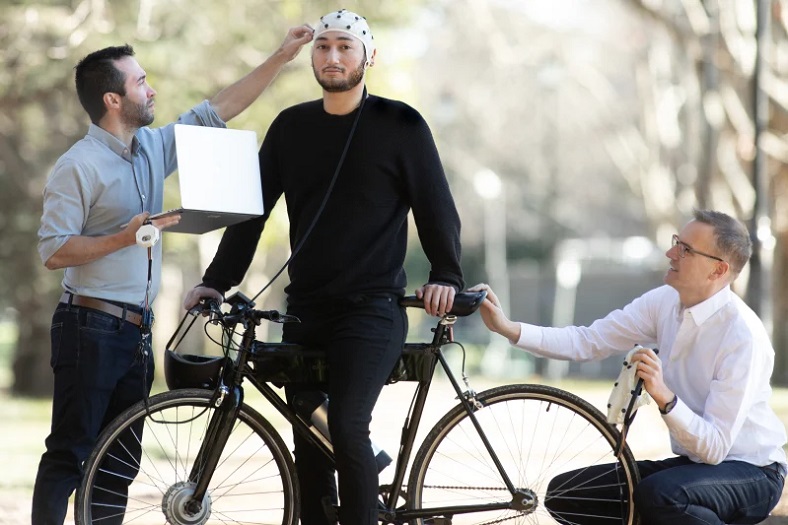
x=363 y=339
x=98 y=374
x=677 y=491
x=673 y=491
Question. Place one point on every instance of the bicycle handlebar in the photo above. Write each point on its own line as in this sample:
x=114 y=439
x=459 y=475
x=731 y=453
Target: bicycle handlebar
x=465 y=303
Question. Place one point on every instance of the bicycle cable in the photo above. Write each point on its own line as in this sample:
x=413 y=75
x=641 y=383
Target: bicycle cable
x=322 y=206
x=144 y=348
x=228 y=332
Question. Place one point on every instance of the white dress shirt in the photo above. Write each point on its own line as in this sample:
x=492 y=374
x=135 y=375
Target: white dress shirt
x=716 y=356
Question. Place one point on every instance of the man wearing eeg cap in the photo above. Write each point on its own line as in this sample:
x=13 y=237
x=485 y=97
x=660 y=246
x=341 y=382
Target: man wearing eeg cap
x=347 y=273
x=344 y=21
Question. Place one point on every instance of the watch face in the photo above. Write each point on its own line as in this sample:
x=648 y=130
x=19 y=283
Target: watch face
x=670 y=405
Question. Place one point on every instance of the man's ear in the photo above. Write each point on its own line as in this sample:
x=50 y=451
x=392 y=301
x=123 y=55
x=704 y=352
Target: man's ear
x=111 y=100
x=721 y=270
x=371 y=61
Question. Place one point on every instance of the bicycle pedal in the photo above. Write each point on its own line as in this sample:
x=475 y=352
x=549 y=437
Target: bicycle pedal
x=438 y=520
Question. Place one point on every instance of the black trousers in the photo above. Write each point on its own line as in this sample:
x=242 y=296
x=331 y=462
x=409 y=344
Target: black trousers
x=363 y=339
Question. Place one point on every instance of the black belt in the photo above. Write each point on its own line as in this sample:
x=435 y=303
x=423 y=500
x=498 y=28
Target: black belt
x=777 y=467
x=122 y=313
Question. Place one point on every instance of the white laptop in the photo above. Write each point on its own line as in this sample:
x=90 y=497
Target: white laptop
x=219 y=177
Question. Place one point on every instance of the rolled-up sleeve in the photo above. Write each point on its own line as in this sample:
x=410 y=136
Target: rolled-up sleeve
x=66 y=203
x=204 y=114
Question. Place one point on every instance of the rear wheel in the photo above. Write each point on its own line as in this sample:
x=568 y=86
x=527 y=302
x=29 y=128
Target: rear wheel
x=139 y=470
x=557 y=449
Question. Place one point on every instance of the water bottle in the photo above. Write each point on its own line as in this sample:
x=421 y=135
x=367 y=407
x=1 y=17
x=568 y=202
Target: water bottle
x=313 y=408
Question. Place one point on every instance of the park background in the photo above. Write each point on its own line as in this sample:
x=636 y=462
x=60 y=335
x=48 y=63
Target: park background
x=577 y=136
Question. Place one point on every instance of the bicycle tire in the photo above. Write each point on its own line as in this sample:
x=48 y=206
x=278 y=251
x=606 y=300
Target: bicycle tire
x=538 y=433
x=254 y=482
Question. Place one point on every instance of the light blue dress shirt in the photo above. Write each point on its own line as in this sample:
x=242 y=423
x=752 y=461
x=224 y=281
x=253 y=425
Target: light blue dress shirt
x=96 y=187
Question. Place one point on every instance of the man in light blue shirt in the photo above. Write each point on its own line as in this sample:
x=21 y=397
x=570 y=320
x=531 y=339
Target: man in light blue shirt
x=98 y=195
x=710 y=382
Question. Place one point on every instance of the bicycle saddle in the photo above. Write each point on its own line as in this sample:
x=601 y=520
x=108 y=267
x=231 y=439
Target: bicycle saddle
x=465 y=303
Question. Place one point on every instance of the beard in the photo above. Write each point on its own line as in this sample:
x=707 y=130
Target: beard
x=135 y=115
x=341 y=85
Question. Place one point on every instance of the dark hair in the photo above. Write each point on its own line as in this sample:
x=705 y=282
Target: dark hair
x=96 y=75
x=730 y=236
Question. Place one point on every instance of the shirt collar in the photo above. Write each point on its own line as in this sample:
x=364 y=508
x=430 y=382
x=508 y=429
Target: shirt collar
x=112 y=142
x=702 y=311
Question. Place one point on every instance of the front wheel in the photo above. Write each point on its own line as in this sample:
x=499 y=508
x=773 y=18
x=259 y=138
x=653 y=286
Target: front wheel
x=139 y=469
x=557 y=450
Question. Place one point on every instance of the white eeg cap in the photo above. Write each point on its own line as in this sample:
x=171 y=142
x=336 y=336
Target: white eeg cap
x=351 y=24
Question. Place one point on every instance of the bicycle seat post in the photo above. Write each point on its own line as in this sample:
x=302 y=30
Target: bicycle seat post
x=444 y=332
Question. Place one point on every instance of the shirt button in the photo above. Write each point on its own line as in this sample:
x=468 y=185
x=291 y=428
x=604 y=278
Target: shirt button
x=143 y=197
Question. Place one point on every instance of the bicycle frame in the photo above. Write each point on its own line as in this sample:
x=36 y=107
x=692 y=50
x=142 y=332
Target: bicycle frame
x=227 y=407
x=550 y=443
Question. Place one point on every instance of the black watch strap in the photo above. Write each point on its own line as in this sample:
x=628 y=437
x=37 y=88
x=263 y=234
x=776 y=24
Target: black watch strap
x=669 y=405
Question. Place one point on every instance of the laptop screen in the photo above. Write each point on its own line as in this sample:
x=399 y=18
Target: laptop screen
x=218 y=170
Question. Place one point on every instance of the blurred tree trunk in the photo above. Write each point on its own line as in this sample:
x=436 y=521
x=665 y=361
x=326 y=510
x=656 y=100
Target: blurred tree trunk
x=780 y=336
x=31 y=370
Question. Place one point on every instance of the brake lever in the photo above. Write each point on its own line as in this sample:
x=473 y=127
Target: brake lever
x=206 y=307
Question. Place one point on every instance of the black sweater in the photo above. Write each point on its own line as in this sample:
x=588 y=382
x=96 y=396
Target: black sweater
x=358 y=244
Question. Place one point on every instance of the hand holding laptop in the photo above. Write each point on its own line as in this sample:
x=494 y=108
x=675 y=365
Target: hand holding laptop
x=161 y=221
x=166 y=220
x=132 y=227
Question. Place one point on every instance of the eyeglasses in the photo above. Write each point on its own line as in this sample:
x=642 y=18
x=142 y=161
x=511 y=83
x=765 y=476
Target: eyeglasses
x=685 y=248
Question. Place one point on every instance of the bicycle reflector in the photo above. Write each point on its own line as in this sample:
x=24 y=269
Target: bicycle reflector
x=191 y=371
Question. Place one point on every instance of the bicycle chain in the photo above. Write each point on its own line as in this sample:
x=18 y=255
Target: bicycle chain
x=501 y=520
x=465 y=487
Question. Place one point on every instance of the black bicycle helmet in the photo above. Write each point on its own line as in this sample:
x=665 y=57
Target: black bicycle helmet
x=191 y=371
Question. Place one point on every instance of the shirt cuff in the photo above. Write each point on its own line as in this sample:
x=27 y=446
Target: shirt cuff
x=530 y=337
x=681 y=414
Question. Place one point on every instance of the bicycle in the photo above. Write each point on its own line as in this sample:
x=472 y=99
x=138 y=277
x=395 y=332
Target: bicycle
x=201 y=455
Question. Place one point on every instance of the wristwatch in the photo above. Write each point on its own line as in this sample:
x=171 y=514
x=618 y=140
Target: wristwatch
x=669 y=405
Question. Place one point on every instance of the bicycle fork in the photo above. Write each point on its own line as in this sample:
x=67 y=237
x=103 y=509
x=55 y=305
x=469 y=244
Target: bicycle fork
x=227 y=404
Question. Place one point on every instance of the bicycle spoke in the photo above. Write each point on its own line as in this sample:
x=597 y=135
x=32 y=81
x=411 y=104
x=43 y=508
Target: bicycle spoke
x=551 y=445
x=145 y=480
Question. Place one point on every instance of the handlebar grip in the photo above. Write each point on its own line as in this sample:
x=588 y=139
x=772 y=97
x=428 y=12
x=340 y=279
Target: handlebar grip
x=275 y=316
x=465 y=303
